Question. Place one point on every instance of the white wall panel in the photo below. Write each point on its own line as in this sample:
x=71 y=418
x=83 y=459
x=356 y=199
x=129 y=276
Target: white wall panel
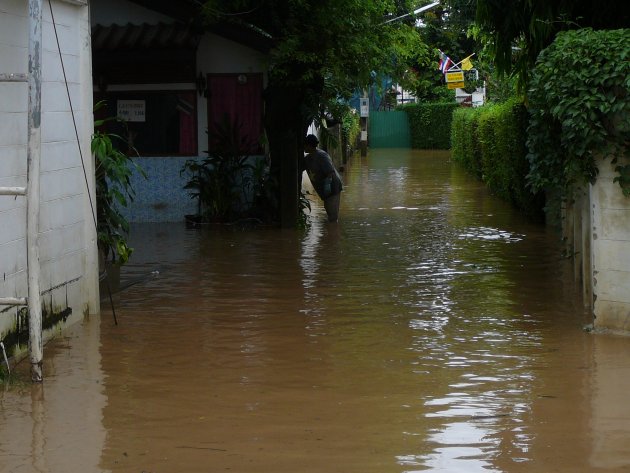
x=67 y=237
x=13 y=129
x=610 y=251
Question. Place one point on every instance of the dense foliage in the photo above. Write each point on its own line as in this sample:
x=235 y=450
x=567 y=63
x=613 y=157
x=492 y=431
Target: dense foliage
x=341 y=42
x=490 y=142
x=519 y=30
x=465 y=146
x=430 y=124
x=350 y=130
x=580 y=109
x=228 y=184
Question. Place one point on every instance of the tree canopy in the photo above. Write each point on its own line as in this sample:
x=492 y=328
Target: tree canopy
x=327 y=45
x=520 y=29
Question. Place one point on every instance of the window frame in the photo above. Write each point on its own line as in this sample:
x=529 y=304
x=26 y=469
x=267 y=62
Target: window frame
x=138 y=92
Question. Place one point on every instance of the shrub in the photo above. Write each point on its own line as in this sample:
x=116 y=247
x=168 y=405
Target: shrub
x=430 y=124
x=490 y=143
x=465 y=143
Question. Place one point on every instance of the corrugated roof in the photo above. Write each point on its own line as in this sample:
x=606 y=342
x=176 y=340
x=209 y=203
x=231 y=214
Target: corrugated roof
x=131 y=37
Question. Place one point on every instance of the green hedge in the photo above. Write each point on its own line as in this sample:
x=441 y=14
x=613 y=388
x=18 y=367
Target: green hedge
x=489 y=142
x=430 y=124
x=465 y=148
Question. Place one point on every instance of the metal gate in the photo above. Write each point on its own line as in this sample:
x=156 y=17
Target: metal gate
x=389 y=130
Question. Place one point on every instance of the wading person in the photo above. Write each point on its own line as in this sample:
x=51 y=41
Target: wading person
x=323 y=175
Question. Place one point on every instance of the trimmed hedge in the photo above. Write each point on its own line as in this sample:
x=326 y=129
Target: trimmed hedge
x=430 y=124
x=465 y=143
x=489 y=142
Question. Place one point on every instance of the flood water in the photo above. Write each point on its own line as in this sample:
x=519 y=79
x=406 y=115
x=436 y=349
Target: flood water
x=431 y=329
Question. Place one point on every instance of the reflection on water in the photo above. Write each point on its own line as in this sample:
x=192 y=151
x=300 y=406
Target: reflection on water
x=56 y=426
x=432 y=329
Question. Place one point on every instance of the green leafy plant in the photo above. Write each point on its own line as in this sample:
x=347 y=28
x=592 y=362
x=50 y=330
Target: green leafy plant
x=114 y=190
x=350 y=129
x=303 y=221
x=263 y=188
x=220 y=181
x=580 y=110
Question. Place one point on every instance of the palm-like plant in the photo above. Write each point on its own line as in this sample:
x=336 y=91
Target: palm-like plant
x=113 y=191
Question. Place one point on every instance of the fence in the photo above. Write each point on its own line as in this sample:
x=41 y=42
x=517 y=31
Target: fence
x=389 y=130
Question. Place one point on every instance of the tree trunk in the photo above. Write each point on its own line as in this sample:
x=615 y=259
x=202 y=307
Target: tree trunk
x=284 y=126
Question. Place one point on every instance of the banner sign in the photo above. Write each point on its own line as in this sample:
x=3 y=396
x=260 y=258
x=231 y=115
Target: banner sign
x=454 y=76
x=455 y=85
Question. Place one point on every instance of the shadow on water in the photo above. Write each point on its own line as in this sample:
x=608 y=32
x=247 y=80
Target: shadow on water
x=432 y=329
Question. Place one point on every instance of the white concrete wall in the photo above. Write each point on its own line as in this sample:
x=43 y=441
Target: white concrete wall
x=610 y=251
x=67 y=239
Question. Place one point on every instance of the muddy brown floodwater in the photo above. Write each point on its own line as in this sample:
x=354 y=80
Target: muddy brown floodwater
x=432 y=329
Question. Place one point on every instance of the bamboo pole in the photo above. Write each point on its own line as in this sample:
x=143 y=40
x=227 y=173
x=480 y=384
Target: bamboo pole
x=12 y=77
x=32 y=196
x=13 y=301
x=12 y=190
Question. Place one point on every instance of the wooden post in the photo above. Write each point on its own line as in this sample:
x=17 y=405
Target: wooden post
x=32 y=197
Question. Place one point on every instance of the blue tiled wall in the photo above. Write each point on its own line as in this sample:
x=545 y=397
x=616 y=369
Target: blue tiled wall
x=160 y=197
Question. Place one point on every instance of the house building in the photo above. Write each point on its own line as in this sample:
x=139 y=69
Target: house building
x=168 y=75
x=68 y=261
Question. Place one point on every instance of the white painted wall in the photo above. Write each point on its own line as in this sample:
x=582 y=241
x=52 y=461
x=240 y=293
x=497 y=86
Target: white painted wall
x=67 y=239
x=610 y=251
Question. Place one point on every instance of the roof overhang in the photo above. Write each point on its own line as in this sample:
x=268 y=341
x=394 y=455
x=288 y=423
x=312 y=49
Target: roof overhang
x=191 y=12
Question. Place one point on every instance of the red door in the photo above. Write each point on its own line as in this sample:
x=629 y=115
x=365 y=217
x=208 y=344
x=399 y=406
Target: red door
x=238 y=98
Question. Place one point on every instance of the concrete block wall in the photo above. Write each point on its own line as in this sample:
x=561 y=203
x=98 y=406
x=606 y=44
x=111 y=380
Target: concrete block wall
x=67 y=238
x=610 y=251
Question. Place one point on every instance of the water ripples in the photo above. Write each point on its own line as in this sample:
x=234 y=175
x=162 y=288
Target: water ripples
x=422 y=307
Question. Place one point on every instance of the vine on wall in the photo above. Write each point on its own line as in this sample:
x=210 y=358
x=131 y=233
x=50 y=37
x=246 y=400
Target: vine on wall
x=579 y=103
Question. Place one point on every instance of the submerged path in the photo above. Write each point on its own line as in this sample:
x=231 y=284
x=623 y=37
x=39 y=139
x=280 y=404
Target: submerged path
x=432 y=329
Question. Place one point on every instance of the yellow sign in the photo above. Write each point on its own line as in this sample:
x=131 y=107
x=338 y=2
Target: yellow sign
x=455 y=85
x=454 y=76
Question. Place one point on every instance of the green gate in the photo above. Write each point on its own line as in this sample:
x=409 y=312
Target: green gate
x=389 y=130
